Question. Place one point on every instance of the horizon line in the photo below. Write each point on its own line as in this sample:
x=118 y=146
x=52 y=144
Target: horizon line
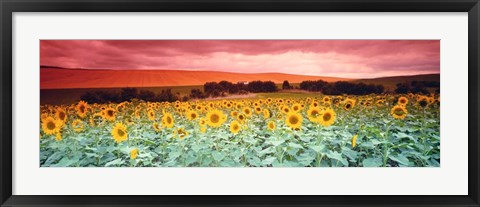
x=138 y=69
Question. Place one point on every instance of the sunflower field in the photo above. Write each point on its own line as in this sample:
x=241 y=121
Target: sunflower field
x=317 y=131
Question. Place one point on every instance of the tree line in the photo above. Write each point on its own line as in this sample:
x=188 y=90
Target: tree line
x=127 y=94
x=341 y=87
x=222 y=88
x=417 y=87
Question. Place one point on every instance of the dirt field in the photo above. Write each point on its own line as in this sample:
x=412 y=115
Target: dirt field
x=79 y=78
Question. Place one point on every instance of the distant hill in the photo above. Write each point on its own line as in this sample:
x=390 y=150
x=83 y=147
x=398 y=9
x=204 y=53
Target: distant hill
x=55 y=78
x=391 y=82
x=62 y=78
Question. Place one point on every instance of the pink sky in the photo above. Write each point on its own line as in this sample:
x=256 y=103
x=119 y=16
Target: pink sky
x=339 y=58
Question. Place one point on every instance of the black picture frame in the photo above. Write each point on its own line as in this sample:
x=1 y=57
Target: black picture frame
x=7 y=7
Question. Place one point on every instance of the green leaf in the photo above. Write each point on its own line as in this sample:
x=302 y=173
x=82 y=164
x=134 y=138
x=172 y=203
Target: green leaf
x=367 y=145
x=318 y=149
x=337 y=156
x=65 y=162
x=218 y=156
x=118 y=161
x=372 y=162
x=400 y=159
x=174 y=155
x=268 y=160
x=266 y=151
x=277 y=142
x=349 y=153
x=295 y=145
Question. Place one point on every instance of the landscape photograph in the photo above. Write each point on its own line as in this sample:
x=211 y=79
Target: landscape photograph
x=239 y=103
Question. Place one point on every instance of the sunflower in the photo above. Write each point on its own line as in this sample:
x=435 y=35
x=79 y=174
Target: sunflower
x=349 y=104
x=61 y=115
x=327 y=117
x=380 y=102
x=423 y=101
x=181 y=133
x=119 y=133
x=271 y=125
x=192 y=115
x=235 y=127
x=399 y=112
x=266 y=113
x=215 y=118
x=258 y=110
x=137 y=113
x=294 y=120
x=203 y=129
x=285 y=109
x=234 y=113
x=77 y=125
x=326 y=99
x=403 y=101
x=167 y=120
x=313 y=114
x=133 y=153
x=81 y=108
x=354 y=140
x=279 y=116
x=43 y=116
x=58 y=137
x=91 y=121
x=151 y=114
x=241 y=118
x=156 y=126
x=247 y=111
x=51 y=126
x=297 y=107
x=202 y=122
x=109 y=114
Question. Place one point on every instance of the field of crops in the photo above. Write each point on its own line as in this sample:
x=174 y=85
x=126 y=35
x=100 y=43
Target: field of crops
x=266 y=131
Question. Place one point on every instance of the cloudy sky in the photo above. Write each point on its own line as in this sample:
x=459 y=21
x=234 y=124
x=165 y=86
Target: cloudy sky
x=339 y=58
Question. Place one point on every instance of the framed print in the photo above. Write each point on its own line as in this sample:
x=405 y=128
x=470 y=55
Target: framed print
x=257 y=103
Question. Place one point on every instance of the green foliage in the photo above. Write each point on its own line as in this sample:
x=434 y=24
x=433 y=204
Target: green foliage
x=382 y=141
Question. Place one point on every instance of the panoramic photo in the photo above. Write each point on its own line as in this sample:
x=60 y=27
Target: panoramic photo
x=239 y=103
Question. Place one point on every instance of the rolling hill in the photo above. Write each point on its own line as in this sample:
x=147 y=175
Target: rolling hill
x=391 y=82
x=57 y=78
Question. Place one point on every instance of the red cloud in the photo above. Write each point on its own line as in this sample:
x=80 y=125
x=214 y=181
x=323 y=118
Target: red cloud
x=352 y=58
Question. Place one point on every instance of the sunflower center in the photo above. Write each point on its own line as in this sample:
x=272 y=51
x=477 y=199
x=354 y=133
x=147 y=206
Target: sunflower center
x=293 y=119
x=120 y=132
x=62 y=115
x=423 y=103
x=348 y=106
x=270 y=126
x=327 y=117
x=82 y=108
x=169 y=120
x=110 y=113
x=215 y=118
x=314 y=113
x=235 y=127
x=193 y=116
x=51 y=125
